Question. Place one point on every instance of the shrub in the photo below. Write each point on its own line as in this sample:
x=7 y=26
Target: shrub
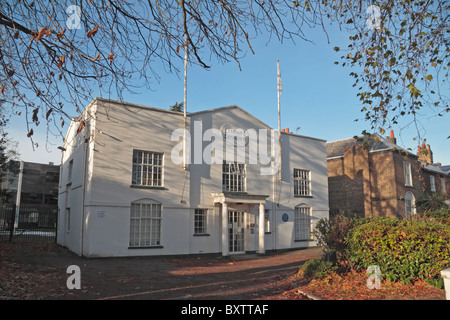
x=441 y=215
x=433 y=203
x=331 y=234
x=317 y=268
x=404 y=250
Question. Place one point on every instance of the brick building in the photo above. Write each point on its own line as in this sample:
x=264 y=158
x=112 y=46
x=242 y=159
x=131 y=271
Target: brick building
x=373 y=176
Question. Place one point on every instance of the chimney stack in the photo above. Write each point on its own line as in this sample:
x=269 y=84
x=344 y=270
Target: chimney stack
x=425 y=154
x=392 y=138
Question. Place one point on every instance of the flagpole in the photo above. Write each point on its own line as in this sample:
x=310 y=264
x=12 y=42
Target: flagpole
x=279 y=89
x=278 y=92
x=185 y=101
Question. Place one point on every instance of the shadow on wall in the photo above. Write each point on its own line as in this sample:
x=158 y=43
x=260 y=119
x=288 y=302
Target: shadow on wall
x=347 y=195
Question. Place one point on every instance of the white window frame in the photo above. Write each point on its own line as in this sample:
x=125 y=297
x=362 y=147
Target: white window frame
x=200 y=221
x=302 y=183
x=233 y=177
x=302 y=223
x=410 y=204
x=148 y=168
x=433 y=184
x=407 y=173
x=145 y=223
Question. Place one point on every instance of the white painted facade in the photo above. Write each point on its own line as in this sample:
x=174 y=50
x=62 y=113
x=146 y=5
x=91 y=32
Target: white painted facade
x=97 y=194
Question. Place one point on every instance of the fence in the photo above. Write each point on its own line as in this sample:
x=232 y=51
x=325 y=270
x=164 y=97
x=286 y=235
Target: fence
x=32 y=223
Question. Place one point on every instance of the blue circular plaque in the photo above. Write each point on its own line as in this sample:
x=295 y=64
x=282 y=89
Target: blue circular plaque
x=285 y=217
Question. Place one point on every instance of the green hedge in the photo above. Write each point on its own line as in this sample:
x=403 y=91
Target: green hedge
x=404 y=250
x=317 y=268
x=441 y=215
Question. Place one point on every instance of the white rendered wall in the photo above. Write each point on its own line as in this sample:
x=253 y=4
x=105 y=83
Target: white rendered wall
x=117 y=129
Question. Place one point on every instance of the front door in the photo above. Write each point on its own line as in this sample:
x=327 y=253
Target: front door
x=236 y=230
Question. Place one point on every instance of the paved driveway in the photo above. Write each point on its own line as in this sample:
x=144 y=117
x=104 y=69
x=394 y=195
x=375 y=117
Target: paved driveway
x=41 y=273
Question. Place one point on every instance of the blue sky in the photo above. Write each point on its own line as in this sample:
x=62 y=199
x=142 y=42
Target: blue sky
x=318 y=96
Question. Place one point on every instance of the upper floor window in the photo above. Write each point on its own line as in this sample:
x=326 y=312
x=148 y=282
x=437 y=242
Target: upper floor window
x=51 y=176
x=69 y=172
x=302 y=182
x=233 y=177
x=407 y=172
x=147 y=168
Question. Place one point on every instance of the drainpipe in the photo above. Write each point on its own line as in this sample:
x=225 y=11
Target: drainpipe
x=65 y=197
x=86 y=141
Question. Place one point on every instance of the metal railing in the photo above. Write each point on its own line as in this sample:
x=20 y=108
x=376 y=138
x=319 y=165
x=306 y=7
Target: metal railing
x=28 y=223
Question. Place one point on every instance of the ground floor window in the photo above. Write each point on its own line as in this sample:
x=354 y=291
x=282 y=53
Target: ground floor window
x=302 y=223
x=145 y=224
x=200 y=221
x=409 y=204
x=432 y=184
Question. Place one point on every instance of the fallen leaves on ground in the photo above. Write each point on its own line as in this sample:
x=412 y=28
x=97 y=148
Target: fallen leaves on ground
x=19 y=281
x=353 y=286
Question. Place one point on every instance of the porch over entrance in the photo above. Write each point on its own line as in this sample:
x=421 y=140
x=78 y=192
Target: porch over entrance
x=232 y=219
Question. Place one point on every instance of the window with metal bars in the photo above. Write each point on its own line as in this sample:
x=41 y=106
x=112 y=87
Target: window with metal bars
x=147 y=168
x=233 y=177
x=302 y=182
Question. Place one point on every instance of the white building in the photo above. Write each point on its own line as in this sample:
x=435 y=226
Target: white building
x=124 y=191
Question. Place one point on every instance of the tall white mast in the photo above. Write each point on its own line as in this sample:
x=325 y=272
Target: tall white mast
x=185 y=160
x=279 y=91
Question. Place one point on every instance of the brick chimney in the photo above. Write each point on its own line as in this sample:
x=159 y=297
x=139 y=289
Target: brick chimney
x=425 y=154
x=392 y=138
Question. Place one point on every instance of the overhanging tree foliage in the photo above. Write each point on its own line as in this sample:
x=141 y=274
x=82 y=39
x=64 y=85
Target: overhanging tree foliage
x=56 y=55
x=8 y=155
x=402 y=54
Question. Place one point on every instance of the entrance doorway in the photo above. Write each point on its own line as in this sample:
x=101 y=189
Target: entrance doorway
x=236 y=230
